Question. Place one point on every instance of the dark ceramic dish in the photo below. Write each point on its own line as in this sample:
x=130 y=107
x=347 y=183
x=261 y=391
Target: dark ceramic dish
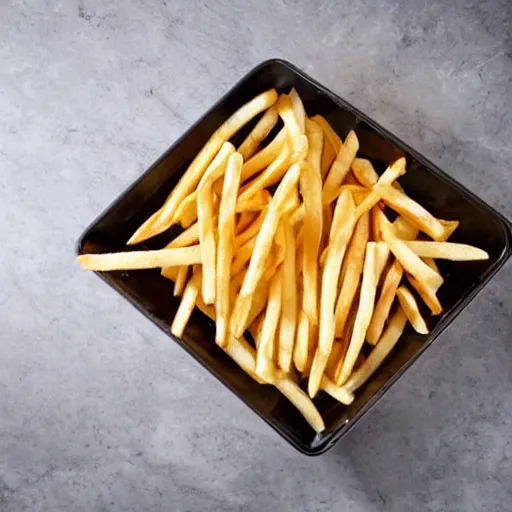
x=151 y=294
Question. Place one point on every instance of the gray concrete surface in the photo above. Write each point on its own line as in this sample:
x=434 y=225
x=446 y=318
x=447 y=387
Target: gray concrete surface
x=98 y=410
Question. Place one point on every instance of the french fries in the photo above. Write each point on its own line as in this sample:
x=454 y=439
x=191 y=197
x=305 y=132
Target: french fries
x=141 y=259
x=191 y=178
x=226 y=246
x=205 y=216
x=291 y=242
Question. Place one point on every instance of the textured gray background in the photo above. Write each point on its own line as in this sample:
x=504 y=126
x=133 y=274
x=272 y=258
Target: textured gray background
x=98 y=410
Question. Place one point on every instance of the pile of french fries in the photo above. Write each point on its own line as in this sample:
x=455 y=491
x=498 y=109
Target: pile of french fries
x=287 y=246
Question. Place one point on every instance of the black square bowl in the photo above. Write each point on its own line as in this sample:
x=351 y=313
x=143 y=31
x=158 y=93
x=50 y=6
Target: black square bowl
x=151 y=294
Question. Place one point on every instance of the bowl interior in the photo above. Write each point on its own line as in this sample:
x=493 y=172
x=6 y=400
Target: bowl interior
x=152 y=294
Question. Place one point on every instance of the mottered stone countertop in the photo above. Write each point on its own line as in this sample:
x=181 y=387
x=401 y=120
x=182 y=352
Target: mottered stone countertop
x=99 y=411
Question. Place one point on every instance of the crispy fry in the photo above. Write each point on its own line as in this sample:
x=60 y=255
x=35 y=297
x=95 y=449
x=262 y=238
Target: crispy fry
x=195 y=171
x=288 y=323
x=364 y=172
x=205 y=216
x=311 y=189
x=300 y=353
x=330 y=276
x=412 y=211
x=351 y=273
x=300 y=400
x=383 y=305
x=334 y=357
x=364 y=312
x=266 y=348
x=263 y=246
x=263 y=127
x=226 y=246
x=386 y=343
x=181 y=280
x=381 y=258
x=242 y=256
x=411 y=309
x=447 y=251
x=187 y=303
x=263 y=158
x=141 y=259
x=298 y=109
x=340 y=167
x=333 y=138
x=298 y=138
x=375 y=233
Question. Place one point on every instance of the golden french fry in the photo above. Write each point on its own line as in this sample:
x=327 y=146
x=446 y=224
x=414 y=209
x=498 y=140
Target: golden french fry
x=298 y=109
x=328 y=157
x=364 y=172
x=386 y=343
x=187 y=304
x=226 y=246
x=263 y=158
x=195 y=171
x=258 y=133
x=364 y=311
x=270 y=176
x=393 y=172
x=447 y=251
x=381 y=258
x=351 y=273
x=311 y=189
x=298 y=138
x=267 y=348
x=333 y=138
x=288 y=321
x=411 y=309
x=205 y=217
x=383 y=305
x=263 y=246
x=340 y=167
x=300 y=353
x=337 y=392
x=412 y=211
x=181 y=280
x=427 y=294
x=330 y=276
x=141 y=259
x=300 y=400
x=409 y=260
x=404 y=229
x=375 y=233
